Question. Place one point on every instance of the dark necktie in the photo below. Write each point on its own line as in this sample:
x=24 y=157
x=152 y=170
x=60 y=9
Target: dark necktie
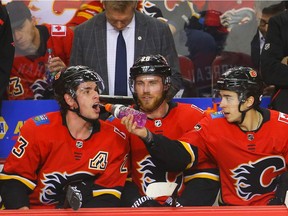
x=121 y=67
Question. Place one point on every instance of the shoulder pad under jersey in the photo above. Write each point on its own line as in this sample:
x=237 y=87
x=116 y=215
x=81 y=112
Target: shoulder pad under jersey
x=41 y=119
x=218 y=114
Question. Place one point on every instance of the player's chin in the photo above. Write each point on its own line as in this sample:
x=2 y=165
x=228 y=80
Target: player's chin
x=228 y=117
x=94 y=115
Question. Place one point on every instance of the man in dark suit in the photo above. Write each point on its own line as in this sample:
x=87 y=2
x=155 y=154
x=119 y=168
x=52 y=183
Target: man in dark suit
x=274 y=66
x=95 y=42
x=259 y=38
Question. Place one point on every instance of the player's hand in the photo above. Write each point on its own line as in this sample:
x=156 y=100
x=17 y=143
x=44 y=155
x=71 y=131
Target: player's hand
x=56 y=64
x=131 y=126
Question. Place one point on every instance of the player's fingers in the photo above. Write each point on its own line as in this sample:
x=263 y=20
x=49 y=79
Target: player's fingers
x=126 y=120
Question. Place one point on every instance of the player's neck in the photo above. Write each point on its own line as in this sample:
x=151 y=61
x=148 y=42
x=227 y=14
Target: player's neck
x=78 y=128
x=160 y=112
x=252 y=121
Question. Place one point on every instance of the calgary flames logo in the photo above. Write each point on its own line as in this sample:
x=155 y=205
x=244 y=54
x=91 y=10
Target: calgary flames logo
x=54 y=184
x=257 y=178
x=150 y=173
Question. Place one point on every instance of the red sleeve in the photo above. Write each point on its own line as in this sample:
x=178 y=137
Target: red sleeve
x=24 y=158
x=86 y=12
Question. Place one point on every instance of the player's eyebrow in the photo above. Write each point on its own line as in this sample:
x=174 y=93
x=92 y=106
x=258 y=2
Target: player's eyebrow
x=85 y=88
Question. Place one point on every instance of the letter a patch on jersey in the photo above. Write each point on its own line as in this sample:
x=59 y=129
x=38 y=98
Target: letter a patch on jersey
x=99 y=162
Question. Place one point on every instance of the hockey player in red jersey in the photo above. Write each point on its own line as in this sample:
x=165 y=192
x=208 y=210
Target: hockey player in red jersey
x=149 y=82
x=70 y=148
x=248 y=143
x=27 y=78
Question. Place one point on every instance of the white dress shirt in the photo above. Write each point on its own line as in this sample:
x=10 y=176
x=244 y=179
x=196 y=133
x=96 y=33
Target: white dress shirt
x=262 y=41
x=129 y=37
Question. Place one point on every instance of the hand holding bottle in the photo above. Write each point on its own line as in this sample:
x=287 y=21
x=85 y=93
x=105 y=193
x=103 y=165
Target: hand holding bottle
x=56 y=64
x=119 y=111
x=134 y=120
x=132 y=127
x=53 y=65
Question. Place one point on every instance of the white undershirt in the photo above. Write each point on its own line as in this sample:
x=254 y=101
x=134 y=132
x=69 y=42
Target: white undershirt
x=112 y=34
x=262 y=41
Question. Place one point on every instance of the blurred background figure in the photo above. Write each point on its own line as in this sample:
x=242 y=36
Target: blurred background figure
x=263 y=15
x=28 y=78
x=206 y=38
x=274 y=57
x=6 y=51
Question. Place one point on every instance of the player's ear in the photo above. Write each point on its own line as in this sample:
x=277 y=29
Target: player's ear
x=249 y=101
x=69 y=100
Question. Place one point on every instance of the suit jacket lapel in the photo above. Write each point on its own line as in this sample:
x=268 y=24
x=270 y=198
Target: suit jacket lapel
x=255 y=50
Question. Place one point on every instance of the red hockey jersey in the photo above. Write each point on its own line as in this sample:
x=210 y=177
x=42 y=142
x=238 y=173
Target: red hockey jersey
x=248 y=162
x=180 y=119
x=27 y=69
x=46 y=158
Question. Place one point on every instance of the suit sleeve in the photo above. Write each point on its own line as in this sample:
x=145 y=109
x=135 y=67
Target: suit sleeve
x=68 y=48
x=76 y=52
x=170 y=53
x=275 y=48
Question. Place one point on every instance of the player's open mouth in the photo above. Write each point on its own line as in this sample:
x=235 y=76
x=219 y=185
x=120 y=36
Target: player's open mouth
x=96 y=105
x=225 y=114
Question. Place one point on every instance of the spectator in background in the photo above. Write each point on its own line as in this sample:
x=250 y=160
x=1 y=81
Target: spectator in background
x=92 y=8
x=248 y=143
x=206 y=38
x=81 y=154
x=142 y=34
x=6 y=53
x=27 y=79
x=259 y=39
x=274 y=55
x=149 y=83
